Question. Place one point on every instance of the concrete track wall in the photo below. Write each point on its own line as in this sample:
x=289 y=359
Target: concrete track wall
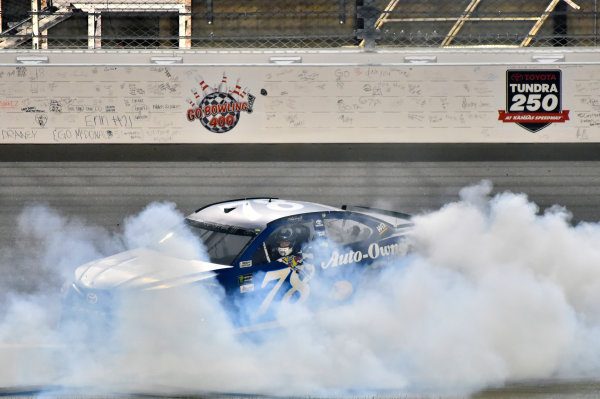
x=344 y=96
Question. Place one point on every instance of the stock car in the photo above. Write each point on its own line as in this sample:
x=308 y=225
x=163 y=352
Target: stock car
x=269 y=249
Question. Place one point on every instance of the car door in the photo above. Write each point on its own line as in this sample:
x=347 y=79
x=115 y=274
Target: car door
x=329 y=250
x=266 y=277
x=352 y=236
x=361 y=240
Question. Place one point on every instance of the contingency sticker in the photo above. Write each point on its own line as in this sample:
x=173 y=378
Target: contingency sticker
x=245 y=282
x=533 y=99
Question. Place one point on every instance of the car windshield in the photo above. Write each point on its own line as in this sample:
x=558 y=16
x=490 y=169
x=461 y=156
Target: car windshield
x=223 y=244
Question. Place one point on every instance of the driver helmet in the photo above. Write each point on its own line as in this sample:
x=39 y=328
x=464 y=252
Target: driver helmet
x=285 y=241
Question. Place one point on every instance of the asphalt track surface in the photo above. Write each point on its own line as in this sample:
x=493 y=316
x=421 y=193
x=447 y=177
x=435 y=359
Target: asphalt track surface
x=535 y=390
x=104 y=184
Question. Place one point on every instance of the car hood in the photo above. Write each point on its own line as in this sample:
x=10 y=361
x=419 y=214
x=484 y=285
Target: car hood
x=144 y=269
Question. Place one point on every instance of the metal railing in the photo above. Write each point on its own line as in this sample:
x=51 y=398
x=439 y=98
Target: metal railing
x=198 y=24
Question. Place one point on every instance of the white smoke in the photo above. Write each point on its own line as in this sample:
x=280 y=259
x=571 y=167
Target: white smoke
x=493 y=292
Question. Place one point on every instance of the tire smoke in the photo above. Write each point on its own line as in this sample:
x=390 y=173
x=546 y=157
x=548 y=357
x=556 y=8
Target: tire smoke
x=493 y=291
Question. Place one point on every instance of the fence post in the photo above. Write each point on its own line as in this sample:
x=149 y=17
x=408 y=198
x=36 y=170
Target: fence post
x=367 y=14
x=559 y=19
x=94 y=29
x=210 y=17
x=35 y=25
x=185 y=25
x=342 y=11
x=44 y=39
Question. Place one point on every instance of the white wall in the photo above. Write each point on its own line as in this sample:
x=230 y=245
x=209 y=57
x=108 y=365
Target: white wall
x=427 y=96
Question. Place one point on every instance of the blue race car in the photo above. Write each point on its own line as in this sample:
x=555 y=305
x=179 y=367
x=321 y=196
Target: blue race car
x=266 y=249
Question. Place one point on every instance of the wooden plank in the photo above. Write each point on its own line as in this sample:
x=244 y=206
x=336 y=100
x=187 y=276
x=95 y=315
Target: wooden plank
x=540 y=21
x=460 y=22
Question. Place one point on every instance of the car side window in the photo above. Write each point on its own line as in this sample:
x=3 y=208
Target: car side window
x=347 y=231
x=302 y=232
x=261 y=255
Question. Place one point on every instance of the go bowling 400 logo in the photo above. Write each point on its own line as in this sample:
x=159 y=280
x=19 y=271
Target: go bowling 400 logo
x=218 y=109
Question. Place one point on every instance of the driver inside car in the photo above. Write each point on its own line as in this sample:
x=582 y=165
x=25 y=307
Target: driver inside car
x=285 y=242
x=288 y=249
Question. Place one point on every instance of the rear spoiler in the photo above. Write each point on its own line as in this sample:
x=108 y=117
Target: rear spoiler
x=389 y=216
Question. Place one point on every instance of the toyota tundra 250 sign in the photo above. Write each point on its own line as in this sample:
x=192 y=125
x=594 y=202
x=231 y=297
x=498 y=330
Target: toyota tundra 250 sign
x=533 y=99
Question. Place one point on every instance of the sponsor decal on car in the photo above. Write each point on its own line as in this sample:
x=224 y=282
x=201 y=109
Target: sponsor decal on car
x=219 y=109
x=291 y=261
x=246 y=263
x=374 y=251
x=244 y=278
x=245 y=282
x=533 y=99
x=246 y=288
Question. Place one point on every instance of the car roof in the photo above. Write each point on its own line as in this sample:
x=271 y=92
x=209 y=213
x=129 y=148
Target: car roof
x=255 y=213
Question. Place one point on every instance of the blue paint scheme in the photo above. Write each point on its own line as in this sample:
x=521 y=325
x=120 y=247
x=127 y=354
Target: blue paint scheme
x=256 y=274
x=328 y=245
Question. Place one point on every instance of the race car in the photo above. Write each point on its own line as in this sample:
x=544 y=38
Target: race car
x=267 y=249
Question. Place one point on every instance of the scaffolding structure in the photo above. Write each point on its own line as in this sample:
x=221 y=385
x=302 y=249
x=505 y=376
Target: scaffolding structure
x=44 y=17
x=467 y=16
x=186 y=24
